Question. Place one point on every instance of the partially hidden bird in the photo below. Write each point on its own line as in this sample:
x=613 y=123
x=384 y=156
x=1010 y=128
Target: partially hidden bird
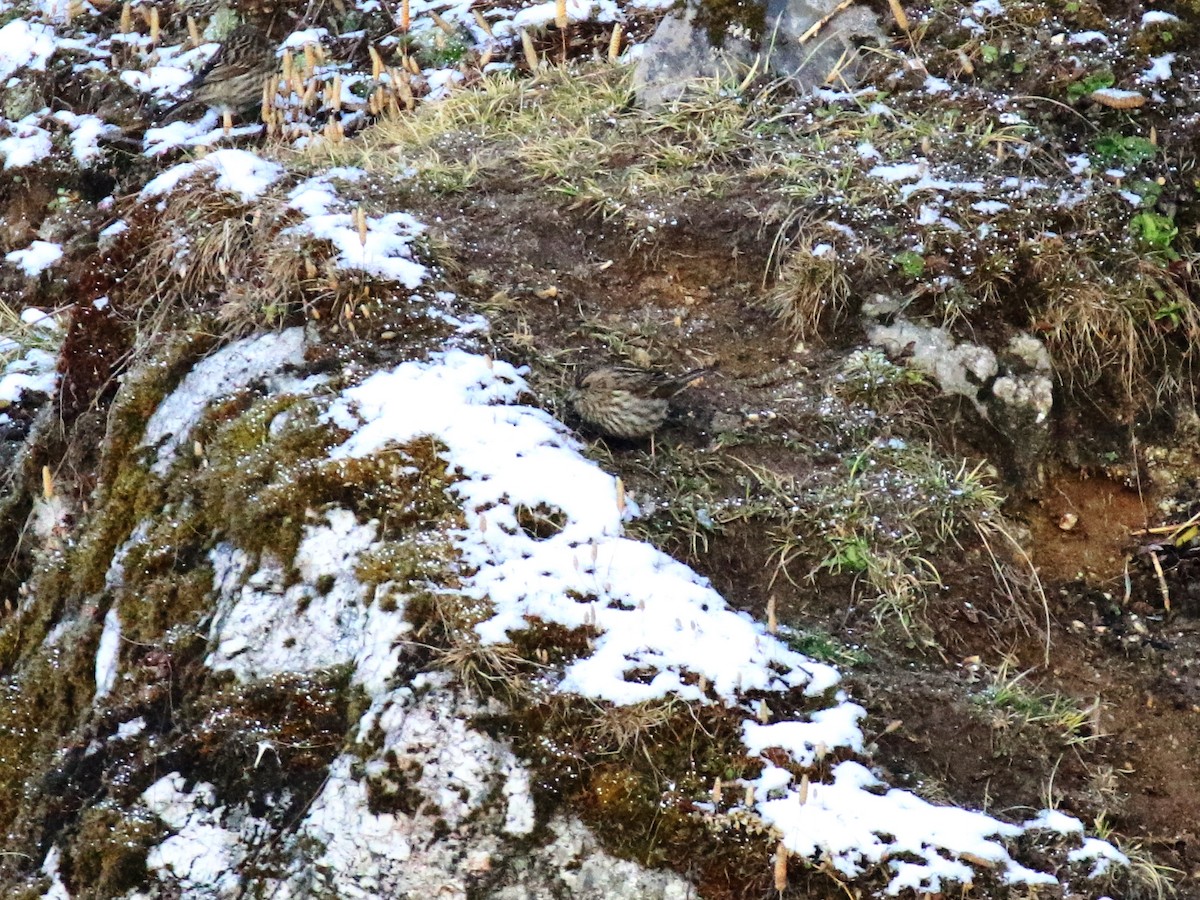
x=628 y=402
x=232 y=81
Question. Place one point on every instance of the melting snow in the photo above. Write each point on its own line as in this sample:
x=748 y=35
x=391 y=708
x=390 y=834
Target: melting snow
x=36 y=258
x=239 y=171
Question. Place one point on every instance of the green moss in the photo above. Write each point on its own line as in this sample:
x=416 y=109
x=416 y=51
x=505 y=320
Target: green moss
x=635 y=774
x=131 y=498
x=38 y=707
x=171 y=598
x=264 y=467
x=267 y=467
x=405 y=565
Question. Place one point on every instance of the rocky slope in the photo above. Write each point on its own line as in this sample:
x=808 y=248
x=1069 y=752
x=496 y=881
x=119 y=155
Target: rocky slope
x=312 y=593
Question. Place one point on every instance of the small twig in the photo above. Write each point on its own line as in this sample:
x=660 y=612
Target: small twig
x=1172 y=530
x=823 y=21
x=1162 y=581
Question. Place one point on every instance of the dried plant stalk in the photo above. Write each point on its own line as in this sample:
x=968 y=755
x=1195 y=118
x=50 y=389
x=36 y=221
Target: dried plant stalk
x=531 y=56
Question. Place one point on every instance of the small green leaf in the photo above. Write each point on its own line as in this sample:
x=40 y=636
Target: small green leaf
x=1154 y=230
x=910 y=263
x=1094 y=82
x=1128 y=151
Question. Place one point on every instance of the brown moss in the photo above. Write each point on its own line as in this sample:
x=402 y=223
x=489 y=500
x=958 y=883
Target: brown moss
x=551 y=643
x=93 y=349
x=394 y=790
x=269 y=743
x=107 y=854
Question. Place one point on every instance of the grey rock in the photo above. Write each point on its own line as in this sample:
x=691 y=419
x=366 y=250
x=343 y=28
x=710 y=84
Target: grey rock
x=961 y=369
x=574 y=865
x=681 y=51
x=1013 y=389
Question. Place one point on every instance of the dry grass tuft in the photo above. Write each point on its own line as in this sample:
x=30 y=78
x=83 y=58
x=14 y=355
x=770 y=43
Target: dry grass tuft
x=1129 y=328
x=813 y=291
x=214 y=254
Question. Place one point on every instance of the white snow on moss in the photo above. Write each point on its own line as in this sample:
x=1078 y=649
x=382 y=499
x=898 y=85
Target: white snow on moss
x=1158 y=17
x=1159 y=68
x=851 y=825
x=379 y=246
x=1103 y=856
x=455 y=768
x=33 y=372
x=1053 y=820
x=36 y=258
x=25 y=45
x=86 y=132
x=267 y=623
x=27 y=143
x=231 y=369
x=543 y=14
x=130 y=729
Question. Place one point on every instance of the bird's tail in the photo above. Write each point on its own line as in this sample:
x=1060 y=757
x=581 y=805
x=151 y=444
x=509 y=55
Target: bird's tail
x=175 y=111
x=692 y=378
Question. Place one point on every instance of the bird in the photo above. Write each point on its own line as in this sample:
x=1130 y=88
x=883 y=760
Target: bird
x=233 y=79
x=627 y=402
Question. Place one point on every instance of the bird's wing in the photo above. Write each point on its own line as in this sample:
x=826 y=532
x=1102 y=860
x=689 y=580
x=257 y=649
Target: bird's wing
x=229 y=59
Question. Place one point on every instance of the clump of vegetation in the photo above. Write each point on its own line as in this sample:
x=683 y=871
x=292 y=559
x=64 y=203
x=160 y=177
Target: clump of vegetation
x=1015 y=706
x=110 y=849
x=813 y=290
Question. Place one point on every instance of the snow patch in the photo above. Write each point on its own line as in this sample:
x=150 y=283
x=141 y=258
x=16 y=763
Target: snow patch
x=238 y=171
x=227 y=371
x=25 y=45
x=36 y=258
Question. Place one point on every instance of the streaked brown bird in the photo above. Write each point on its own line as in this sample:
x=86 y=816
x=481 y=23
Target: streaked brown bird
x=233 y=79
x=627 y=402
